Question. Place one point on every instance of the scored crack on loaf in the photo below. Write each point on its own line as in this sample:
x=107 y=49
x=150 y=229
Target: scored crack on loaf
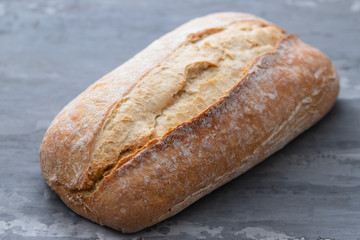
x=195 y=109
x=187 y=82
x=71 y=135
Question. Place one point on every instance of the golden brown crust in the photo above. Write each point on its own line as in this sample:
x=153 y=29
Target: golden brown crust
x=67 y=145
x=281 y=94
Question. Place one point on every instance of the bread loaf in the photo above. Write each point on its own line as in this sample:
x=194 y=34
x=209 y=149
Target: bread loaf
x=195 y=109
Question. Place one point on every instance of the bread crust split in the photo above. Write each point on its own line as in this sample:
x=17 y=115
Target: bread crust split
x=279 y=94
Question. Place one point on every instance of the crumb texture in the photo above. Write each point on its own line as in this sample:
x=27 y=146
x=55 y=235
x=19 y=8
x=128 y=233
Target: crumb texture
x=181 y=87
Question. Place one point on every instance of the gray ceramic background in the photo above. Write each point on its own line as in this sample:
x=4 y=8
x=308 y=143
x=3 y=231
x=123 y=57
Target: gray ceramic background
x=51 y=50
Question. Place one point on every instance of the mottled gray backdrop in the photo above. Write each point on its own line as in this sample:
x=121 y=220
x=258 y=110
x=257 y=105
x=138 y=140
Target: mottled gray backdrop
x=51 y=50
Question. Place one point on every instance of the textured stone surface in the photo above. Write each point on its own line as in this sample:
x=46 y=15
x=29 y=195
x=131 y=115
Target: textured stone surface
x=52 y=50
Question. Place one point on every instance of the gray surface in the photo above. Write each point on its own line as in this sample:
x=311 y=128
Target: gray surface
x=52 y=50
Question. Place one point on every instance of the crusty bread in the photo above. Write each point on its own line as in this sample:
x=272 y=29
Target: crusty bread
x=192 y=111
